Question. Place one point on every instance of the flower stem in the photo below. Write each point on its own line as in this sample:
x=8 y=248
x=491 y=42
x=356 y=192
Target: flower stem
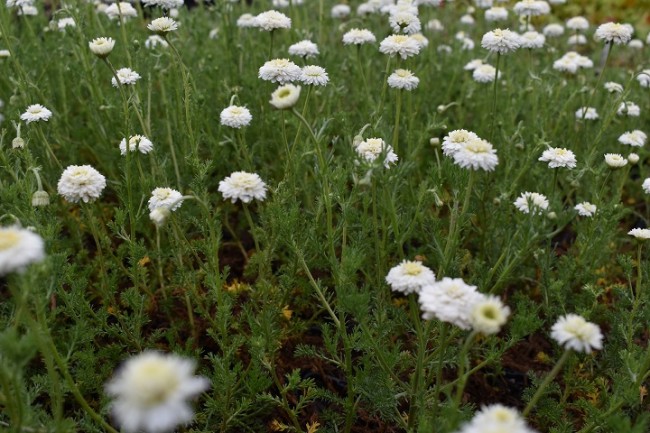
x=398 y=110
x=547 y=380
x=494 y=97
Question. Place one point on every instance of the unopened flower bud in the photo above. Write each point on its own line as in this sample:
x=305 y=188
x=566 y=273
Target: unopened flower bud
x=551 y=215
x=357 y=140
x=40 y=198
x=633 y=158
x=17 y=143
x=434 y=141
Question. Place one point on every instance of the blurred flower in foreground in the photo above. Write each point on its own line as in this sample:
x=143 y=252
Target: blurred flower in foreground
x=151 y=390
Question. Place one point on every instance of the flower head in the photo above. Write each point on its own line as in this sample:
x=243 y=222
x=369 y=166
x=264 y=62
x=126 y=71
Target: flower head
x=615 y=160
x=553 y=30
x=81 y=183
x=476 y=154
x=532 y=40
x=163 y=25
x=126 y=77
x=243 y=186
x=588 y=113
x=488 y=315
x=235 y=116
x=586 y=209
x=634 y=138
x=496 y=14
x=150 y=392
x=453 y=141
x=165 y=197
x=359 y=37
x=137 y=142
x=101 y=47
x=614 y=32
x=281 y=71
x=532 y=8
x=405 y=22
x=19 y=248
x=501 y=41
x=285 y=96
x=410 y=277
x=628 y=108
x=531 y=202
x=558 y=157
x=496 y=418
x=642 y=234
x=165 y=4
x=153 y=41
x=272 y=20
x=36 y=113
x=371 y=148
x=314 y=76
x=340 y=11
x=644 y=77
x=246 y=21
x=577 y=23
x=304 y=49
x=574 y=332
x=485 y=73
x=449 y=300
x=403 y=79
x=123 y=9
x=403 y=45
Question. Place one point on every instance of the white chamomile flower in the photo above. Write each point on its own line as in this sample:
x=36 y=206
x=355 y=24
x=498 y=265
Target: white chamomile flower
x=449 y=300
x=586 y=209
x=280 y=71
x=644 y=77
x=405 y=22
x=243 y=186
x=165 y=197
x=101 y=47
x=488 y=315
x=553 y=30
x=121 y=9
x=588 y=113
x=574 y=332
x=614 y=33
x=532 y=40
x=305 y=48
x=154 y=41
x=531 y=203
x=615 y=160
x=485 y=73
x=359 y=37
x=126 y=76
x=409 y=277
x=496 y=418
x=81 y=183
x=496 y=14
x=313 y=75
x=272 y=20
x=235 y=116
x=246 y=21
x=628 y=108
x=64 y=23
x=558 y=157
x=453 y=141
x=643 y=234
x=19 y=248
x=403 y=79
x=531 y=8
x=403 y=45
x=163 y=25
x=285 y=96
x=476 y=154
x=137 y=143
x=150 y=392
x=613 y=87
x=36 y=113
x=501 y=41
x=634 y=138
x=340 y=11
x=371 y=148
x=577 y=23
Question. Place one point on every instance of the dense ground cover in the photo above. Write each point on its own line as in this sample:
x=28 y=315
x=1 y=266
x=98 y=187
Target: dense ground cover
x=394 y=242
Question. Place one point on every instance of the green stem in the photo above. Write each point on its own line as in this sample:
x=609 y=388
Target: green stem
x=398 y=110
x=463 y=361
x=494 y=98
x=251 y=226
x=547 y=380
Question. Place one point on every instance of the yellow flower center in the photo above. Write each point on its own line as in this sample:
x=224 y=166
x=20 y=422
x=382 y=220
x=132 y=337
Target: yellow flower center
x=412 y=268
x=154 y=382
x=8 y=239
x=478 y=146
